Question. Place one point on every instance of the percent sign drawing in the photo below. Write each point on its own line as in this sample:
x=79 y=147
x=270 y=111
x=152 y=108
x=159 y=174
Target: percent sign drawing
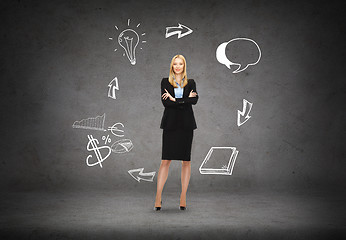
x=106 y=139
x=92 y=146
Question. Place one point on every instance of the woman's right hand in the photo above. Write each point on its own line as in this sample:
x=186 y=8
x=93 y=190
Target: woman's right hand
x=192 y=94
x=167 y=95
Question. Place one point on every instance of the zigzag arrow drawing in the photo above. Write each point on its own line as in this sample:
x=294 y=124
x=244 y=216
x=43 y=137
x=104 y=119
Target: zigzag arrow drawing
x=142 y=176
x=242 y=113
x=170 y=31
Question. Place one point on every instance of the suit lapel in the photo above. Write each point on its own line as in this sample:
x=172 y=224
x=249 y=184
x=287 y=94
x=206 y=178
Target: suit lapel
x=186 y=90
x=172 y=90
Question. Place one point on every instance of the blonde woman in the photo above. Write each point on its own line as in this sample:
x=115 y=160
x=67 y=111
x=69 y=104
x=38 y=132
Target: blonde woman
x=178 y=123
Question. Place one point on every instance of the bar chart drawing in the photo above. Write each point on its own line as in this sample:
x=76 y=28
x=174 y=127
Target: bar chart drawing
x=219 y=160
x=96 y=123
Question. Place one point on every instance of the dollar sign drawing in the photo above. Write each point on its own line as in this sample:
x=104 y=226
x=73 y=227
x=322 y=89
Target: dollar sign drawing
x=92 y=146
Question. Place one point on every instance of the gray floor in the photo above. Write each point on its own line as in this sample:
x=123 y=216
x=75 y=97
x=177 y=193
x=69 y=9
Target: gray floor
x=210 y=215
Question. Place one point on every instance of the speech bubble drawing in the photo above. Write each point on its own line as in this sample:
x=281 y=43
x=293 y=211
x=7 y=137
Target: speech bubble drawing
x=222 y=58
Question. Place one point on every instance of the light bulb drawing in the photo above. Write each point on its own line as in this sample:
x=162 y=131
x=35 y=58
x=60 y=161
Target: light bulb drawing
x=129 y=39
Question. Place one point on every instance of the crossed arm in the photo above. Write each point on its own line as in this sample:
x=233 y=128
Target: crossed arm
x=169 y=101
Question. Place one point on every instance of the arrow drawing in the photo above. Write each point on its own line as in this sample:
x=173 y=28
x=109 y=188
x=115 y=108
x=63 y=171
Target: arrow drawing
x=113 y=85
x=245 y=110
x=140 y=176
x=170 y=31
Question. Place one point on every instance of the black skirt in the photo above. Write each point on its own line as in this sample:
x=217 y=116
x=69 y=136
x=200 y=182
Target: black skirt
x=176 y=144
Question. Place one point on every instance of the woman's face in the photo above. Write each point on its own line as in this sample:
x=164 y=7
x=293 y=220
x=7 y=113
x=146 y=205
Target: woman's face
x=178 y=65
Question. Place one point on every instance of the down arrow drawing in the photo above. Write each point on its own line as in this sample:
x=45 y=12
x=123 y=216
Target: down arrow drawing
x=245 y=110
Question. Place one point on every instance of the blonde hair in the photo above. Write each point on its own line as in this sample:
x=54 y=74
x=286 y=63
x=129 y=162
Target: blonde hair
x=172 y=74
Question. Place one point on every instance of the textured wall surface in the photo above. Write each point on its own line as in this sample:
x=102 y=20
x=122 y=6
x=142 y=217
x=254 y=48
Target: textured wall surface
x=57 y=60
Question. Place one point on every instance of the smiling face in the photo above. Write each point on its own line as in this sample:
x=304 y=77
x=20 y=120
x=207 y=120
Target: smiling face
x=178 y=66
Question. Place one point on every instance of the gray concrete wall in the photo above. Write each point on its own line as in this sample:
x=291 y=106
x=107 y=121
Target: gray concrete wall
x=57 y=62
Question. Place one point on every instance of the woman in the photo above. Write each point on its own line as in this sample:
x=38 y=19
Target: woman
x=178 y=122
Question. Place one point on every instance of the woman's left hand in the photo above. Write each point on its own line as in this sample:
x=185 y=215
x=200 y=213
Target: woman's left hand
x=167 y=95
x=192 y=94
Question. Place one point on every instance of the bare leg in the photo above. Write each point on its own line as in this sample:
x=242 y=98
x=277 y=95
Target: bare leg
x=161 y=180
x=185 y=178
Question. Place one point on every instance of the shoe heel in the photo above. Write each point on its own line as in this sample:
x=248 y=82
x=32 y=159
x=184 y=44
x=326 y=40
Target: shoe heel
x=158 y=208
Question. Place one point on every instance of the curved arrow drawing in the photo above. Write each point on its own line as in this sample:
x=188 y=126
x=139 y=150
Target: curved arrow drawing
x=170 y=31
x=245 y=110
x=149 y=176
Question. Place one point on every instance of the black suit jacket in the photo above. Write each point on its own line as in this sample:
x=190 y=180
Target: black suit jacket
x=178 y=114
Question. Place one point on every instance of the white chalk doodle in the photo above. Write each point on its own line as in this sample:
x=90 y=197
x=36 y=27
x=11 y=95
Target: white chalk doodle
x=96 y=123
x=122 y=146
x=222 y=58
x=106 y=139
x=113 y=85
x=170 y=31
x=245 y=113
x=115 y=130
x=142 y=176
x=128 y=39
x=92 y=146
x=219 y=160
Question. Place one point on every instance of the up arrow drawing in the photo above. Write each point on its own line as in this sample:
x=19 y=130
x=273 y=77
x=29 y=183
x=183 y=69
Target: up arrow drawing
x=246 y=110
x=141 y=176
x=170 y=31
x=113 y=85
